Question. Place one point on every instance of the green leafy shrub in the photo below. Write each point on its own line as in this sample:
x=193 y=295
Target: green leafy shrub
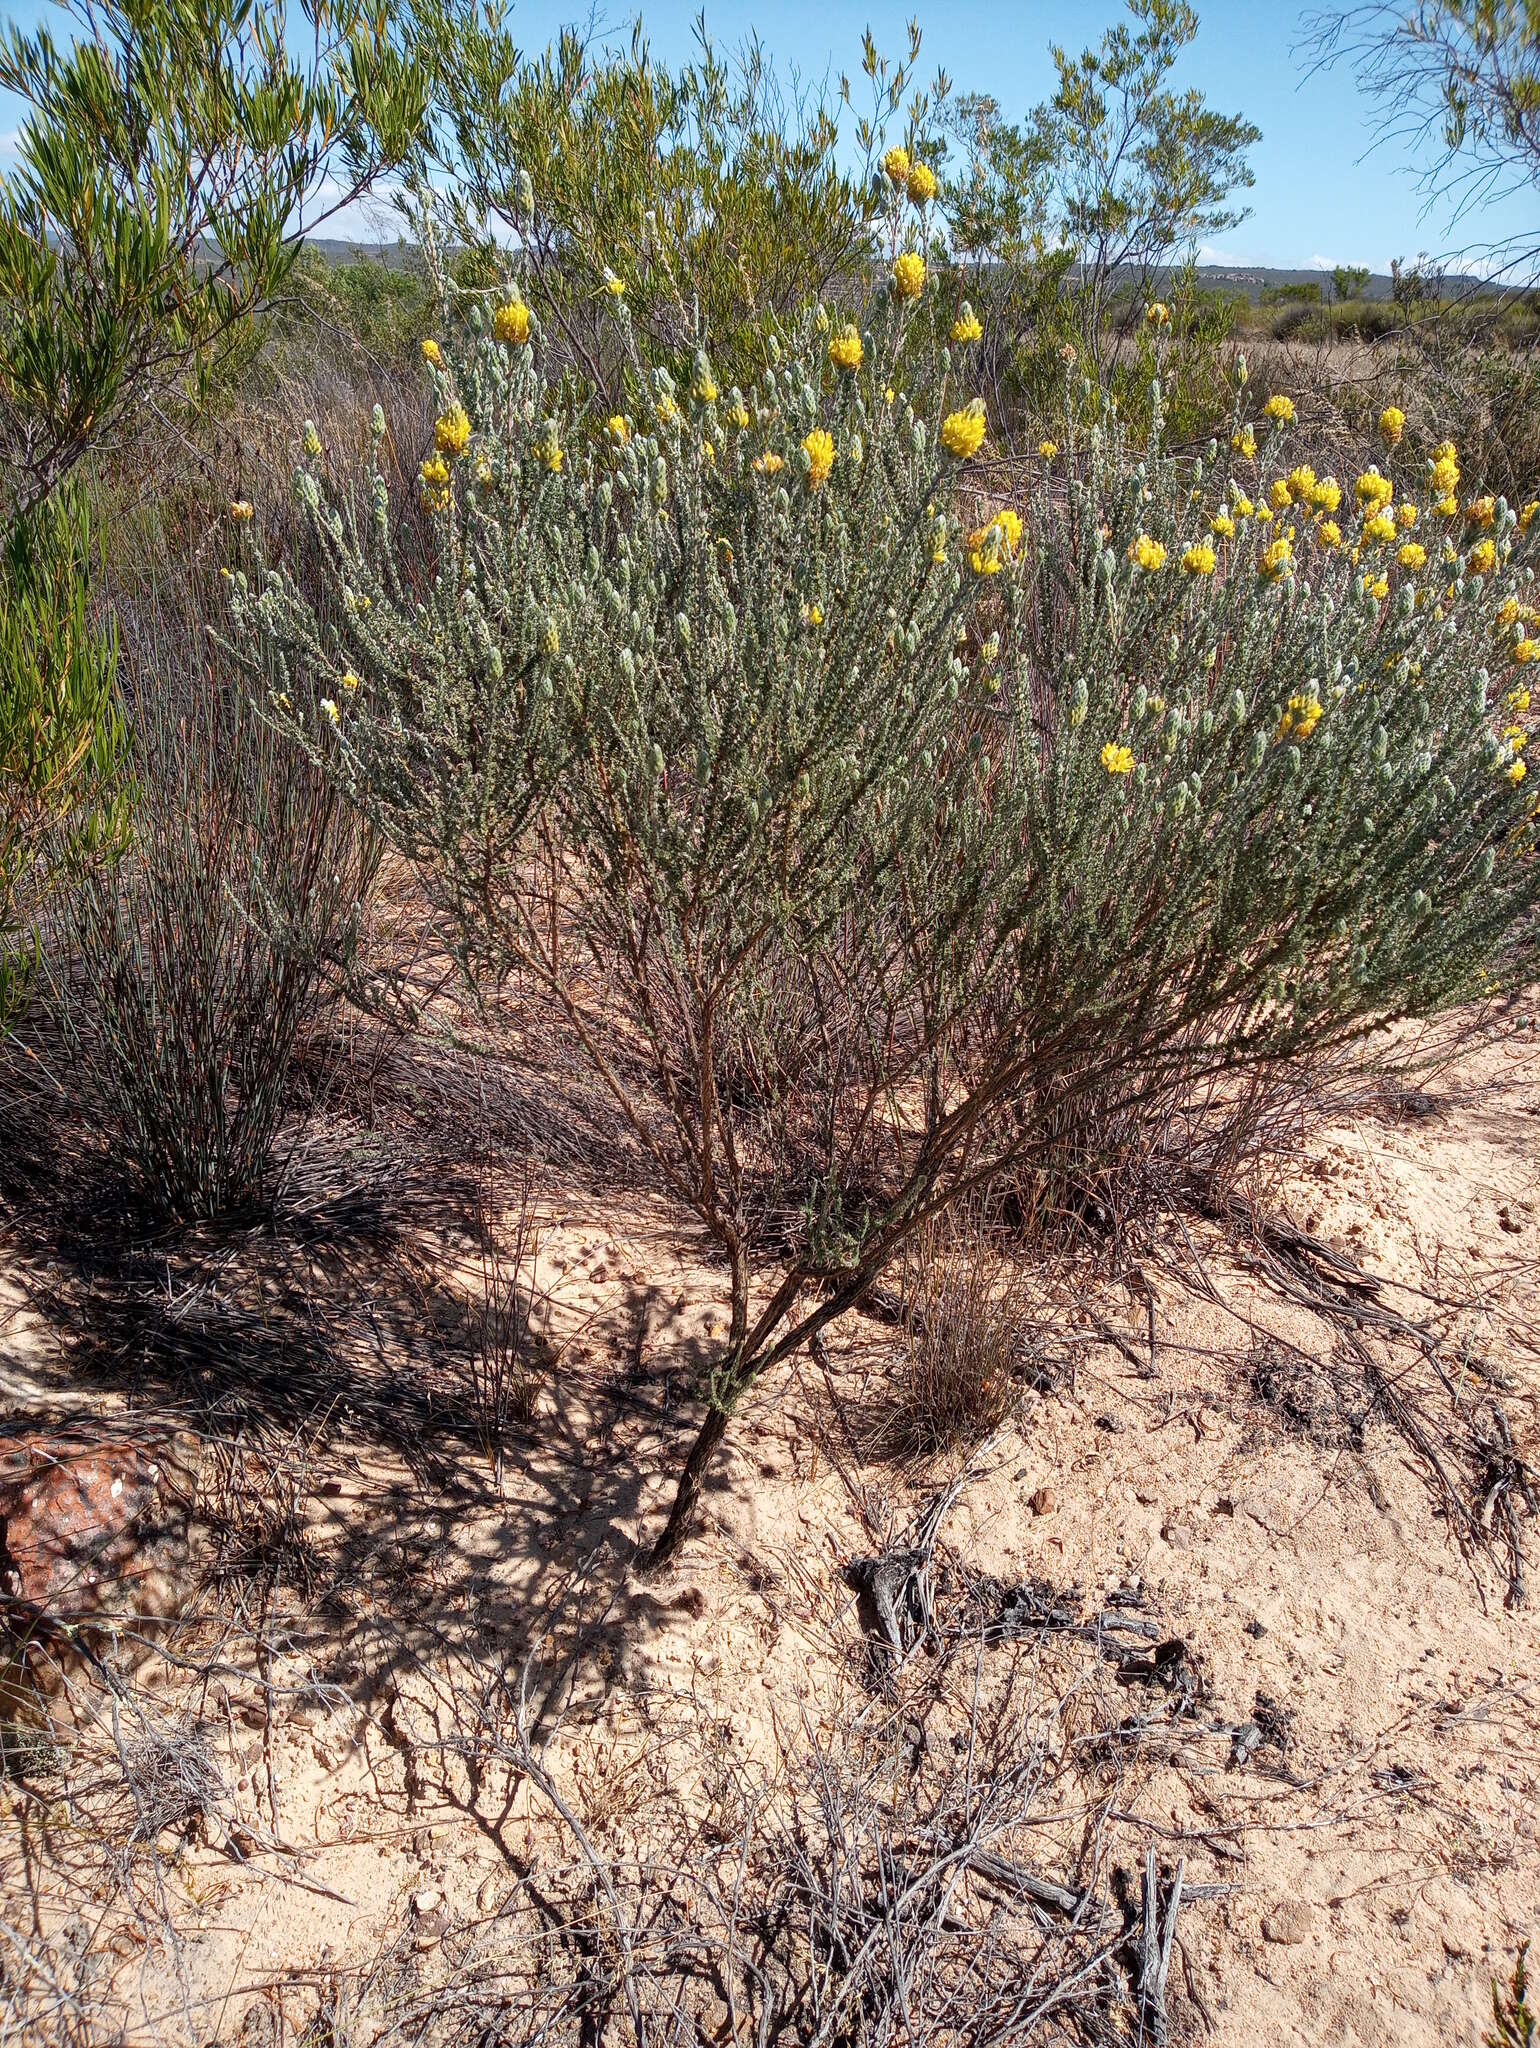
x=64 y=804
x=200 y=956
x=886 y=838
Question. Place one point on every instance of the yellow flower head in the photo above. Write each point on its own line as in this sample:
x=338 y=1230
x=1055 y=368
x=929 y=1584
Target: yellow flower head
x=241 y=510
x=1301 y=718
x=920 y=183
x=845 y=349
x=1525 y=650
x=618 y=427
x=1374 y=490
x=1157 y=315
x=1444 y=475
x=1301 y=483
x=1275 y=559
x=962 y=433
x=432 y=353
x=1526 y=517
x=510 y=323
x=1379 y=526
x=549 y=450
x=1244 y=442
x=1147 y=554
x=984 y=551
x=818 y=447
x=768 y=463
x=909 y=275
x=1243 y=507
x=1482 y=559
x=1406 y=516
x=1048 y=450
x=1278 y=496
x=1412 y=554
x=1116 y=759
x=329 y=706
x=349 y=681
x=1377 y=586
x=615 y=286
x=1480 y=512
x=1008 y=519
x=966 y=327
x=1200 y=560
x=1280 y=409
x=451 y=431
x=1448 y=508
x=1392 y=425
x=434 y=476
x=1515 y=772
x=896 y=163
x=1223 y=525
x=1330 y=533
x=1326 y=494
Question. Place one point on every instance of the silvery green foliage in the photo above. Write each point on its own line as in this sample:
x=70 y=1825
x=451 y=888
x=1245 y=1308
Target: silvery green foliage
x=833 y=797
x=1324 y=819
x=730 y=688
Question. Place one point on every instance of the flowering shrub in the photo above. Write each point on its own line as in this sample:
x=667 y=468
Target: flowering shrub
x=893 y=835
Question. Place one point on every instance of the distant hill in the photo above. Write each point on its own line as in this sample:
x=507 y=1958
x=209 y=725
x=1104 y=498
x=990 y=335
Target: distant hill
x=1247 y=280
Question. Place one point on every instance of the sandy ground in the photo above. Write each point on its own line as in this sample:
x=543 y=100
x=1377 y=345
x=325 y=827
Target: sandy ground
x=1373 y=1860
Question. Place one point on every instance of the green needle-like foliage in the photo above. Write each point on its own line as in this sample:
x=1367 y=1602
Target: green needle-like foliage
x=890 y=846
x=169 y=159
x=62 y=805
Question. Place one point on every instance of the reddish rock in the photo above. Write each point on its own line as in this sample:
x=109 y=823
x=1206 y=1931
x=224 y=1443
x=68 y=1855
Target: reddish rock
x=91 y=1532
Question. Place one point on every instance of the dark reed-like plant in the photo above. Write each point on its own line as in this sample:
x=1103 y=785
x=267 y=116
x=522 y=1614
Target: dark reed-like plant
x=199 y=958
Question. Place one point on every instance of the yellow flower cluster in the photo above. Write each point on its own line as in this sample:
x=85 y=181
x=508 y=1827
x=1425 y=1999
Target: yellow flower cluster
x=769 y=463
x=1146 y=553
x=1412 y=555
x=962 y=433
x=510 y=323
x=1244 y=442
x=845 y=349
x=1200 y=560
x=818 y=446
x=1482 y=559
x=1048 y=450
x=1275 y=559
x=451 y=431
x=909 y=275
x=1157 y=315
x=920 y=184
x=434 y=477
x=1392 y=425
x=1301 y=718
x=1223 y=525
x=1117 y=759
x=896 y=163
x=966 y=327
x=1480 y=512
x=1374 y=491
x=1280 y=409
x=1379 y=526
x=241 y=510
x=619 y=429
x=432 y=353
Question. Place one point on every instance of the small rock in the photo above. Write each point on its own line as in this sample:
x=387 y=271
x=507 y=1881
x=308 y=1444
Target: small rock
x=428 y=1930
x=1178 y=1535
x=1288 y=1924
x=1044 y=1501
x=486 y=1893
x=426 y=1902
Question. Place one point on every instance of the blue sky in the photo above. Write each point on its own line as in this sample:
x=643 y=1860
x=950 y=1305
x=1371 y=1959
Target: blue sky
x=1324 y=194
